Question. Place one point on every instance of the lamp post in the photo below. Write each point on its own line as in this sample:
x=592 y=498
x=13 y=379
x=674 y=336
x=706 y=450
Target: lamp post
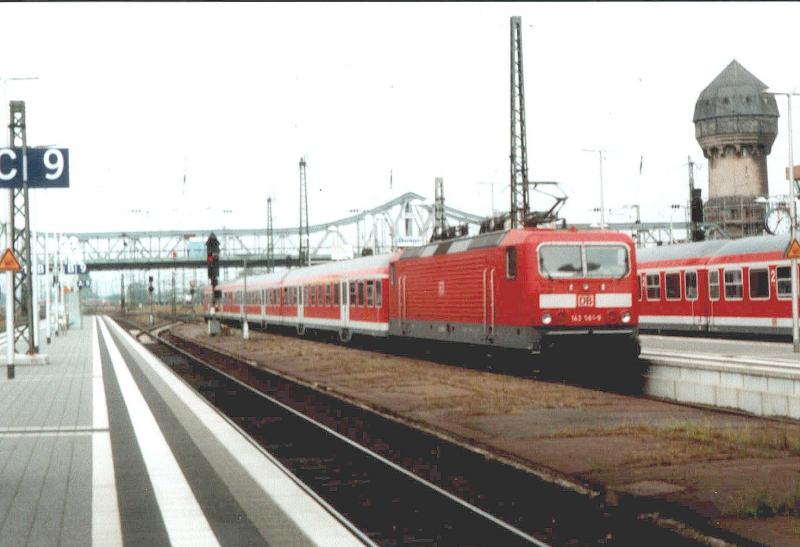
x=600 y=153
x=793 y=217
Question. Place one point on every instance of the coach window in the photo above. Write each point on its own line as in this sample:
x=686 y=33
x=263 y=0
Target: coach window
x=690 y=281
x=392 y=274
x=672 y=286
x=370 y=301
x=511 y=262
x=733 y=285
x=713 y=284
x=352 y=293
x=360 y=293
x=336 y=294
x=379 y=294
x=653 y=286
x=759 y=283
x=784 y=282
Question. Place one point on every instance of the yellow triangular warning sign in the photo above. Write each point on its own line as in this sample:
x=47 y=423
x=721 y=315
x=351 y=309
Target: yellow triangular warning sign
x=793 y=250
x=9 y=262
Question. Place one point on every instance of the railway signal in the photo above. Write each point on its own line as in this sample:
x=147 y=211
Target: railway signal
x=212 y=254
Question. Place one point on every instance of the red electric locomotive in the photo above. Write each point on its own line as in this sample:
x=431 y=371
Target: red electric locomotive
x=525 y=289
x=738 y=286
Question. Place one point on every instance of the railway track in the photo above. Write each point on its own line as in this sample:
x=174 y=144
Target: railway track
x=398 y=484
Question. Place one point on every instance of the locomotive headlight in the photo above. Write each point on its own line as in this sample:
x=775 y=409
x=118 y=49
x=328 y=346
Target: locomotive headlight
x=546 y=319
x=626 y=317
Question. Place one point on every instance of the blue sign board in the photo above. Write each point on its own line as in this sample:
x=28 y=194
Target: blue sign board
x=47 y=168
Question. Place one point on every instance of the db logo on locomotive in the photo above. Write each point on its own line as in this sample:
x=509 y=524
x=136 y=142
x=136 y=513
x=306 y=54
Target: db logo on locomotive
x=586 y=301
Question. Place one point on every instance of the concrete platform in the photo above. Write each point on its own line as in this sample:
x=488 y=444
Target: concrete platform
x=762 y=378
x=105 y=446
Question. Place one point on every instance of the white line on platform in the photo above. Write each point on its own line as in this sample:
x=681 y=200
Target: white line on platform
x=183 y=518
x=54 y=429
x=99 y=407
x=106 y=528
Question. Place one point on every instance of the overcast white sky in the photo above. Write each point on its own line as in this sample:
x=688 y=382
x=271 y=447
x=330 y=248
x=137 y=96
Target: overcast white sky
x=235 y=93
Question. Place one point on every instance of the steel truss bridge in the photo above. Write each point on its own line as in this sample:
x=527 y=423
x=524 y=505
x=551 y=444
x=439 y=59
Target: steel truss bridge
x=403 y=221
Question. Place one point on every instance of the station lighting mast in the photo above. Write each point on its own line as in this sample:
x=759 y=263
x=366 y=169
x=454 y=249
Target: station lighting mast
x=304 y=251
x=19 y=229
x=520 y=206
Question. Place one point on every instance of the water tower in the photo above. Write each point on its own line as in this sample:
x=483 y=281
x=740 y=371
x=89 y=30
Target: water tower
x=735 y=125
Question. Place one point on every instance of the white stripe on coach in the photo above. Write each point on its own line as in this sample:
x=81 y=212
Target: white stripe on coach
x=106 y=528
x=783 y=322
x=183 y=518
x=307 y=512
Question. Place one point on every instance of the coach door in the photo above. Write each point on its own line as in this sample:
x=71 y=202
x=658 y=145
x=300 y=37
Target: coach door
x=344 y=305
x=300 y=303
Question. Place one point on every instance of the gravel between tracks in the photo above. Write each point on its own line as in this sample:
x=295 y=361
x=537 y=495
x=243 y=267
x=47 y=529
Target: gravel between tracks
x=741 y=472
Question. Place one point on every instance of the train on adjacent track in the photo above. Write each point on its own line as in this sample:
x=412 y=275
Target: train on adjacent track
x=741 y=287
x=531 y=289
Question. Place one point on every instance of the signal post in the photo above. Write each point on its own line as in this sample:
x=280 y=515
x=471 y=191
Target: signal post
x=212 y=255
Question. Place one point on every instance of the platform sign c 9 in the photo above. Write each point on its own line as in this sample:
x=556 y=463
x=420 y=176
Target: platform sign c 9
x=47 y=168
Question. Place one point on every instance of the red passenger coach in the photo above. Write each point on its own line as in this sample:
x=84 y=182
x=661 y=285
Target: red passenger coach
x=737 y=286
x=344 y=297
x=523 y=289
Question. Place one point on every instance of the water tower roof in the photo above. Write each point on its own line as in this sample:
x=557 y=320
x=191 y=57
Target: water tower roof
x=734 y=92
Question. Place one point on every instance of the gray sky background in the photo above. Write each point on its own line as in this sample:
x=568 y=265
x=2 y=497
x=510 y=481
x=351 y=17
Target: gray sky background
x=234 y=94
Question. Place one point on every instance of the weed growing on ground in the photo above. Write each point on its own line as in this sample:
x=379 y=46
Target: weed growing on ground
x=763 y=503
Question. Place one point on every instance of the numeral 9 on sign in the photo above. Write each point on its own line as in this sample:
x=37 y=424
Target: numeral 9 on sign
x=53 y=163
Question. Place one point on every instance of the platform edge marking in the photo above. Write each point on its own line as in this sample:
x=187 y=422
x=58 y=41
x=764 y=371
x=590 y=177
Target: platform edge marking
x=281 y=489
x=184 y=520
x=106 y=527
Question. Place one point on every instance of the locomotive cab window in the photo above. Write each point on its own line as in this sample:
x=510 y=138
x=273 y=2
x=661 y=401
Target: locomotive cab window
x=672 y=286
x=690 y=281
x=560 y=261
x=713 y=284
x=511 y=262
x=653 y=286
x=733 y=285
x=759 y=283
x=784 y=282
x=608 y=261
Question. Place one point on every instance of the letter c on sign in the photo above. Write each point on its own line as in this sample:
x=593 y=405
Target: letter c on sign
x=13 y=155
